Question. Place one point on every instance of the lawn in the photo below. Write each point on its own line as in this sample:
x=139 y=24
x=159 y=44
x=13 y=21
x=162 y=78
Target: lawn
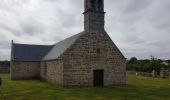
x=137 y=88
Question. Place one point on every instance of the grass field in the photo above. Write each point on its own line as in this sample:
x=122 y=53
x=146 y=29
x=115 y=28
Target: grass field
x=137 y=88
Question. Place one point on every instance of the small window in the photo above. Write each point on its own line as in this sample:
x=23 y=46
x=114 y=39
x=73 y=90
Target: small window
x=98 y=50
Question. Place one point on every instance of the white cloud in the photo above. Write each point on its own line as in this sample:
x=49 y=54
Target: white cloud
x=138 y=27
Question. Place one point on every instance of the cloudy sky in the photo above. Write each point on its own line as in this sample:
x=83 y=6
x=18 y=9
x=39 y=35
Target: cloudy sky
x=138 y=27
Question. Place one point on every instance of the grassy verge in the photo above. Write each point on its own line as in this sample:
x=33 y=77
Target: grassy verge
x=137 y=88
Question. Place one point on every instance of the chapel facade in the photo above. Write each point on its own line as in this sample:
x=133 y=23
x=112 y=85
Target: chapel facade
x=89 y=58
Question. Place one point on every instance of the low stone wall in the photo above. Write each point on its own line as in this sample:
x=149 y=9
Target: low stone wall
x=140 y=73
x=144 y=74
x=131 y=72
x=163 y=74
x=4 y=69
x=24 y=70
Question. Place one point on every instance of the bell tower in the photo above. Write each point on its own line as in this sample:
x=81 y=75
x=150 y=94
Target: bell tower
x=94 y=16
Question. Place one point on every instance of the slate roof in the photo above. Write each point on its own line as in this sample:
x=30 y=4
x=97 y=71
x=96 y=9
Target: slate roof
x=27 y=52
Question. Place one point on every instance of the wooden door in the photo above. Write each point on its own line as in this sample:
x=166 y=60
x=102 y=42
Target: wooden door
x=98 y=76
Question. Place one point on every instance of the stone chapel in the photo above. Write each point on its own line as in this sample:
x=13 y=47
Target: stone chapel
x=89 y=58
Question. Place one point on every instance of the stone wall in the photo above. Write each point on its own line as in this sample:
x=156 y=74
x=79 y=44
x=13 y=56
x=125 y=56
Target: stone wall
x=90 y=52
x=164 y=73
x=52 y=71
x=24 y=70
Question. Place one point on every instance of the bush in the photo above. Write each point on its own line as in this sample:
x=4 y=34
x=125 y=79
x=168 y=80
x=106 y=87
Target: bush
x=145 y=65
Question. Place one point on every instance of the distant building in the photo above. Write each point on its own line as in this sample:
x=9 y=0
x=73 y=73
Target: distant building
x=89 y=58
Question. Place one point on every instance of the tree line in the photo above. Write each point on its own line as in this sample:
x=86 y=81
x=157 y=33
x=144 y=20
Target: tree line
x=146 y=65
x=4 y=63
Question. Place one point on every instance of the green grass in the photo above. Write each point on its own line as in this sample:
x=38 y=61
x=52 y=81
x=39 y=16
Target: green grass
x=137 y=88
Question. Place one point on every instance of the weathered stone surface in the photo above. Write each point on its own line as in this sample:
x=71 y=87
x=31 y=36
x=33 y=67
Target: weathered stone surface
x=82 y=58
x=25 y=70
x=52 y=71
x=94 y=16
